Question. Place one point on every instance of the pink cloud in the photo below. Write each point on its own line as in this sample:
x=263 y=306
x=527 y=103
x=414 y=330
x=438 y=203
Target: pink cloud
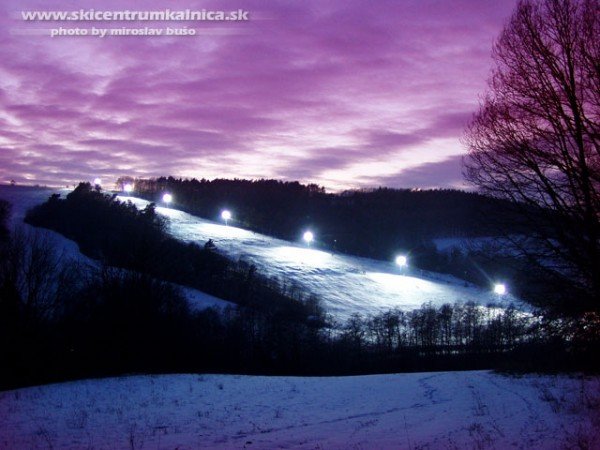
x=300 y=90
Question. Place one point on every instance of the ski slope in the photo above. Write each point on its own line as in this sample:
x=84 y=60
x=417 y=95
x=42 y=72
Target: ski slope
x=346 y=284
x=444 y=410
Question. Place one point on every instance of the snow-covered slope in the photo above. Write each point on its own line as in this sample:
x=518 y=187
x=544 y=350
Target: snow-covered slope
x=446 y=410
x=346 y=284
x=23 y=199
x=463 y=243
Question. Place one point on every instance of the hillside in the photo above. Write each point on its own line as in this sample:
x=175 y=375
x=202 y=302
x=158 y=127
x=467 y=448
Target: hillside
x=23 y=198
x=346 y=284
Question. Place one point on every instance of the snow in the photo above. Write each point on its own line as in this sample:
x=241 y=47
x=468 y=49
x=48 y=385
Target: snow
x=500 y=245
x=463 y=243
x=199 y=300
x=346 y=284
x=475 y=409
x=24 y=198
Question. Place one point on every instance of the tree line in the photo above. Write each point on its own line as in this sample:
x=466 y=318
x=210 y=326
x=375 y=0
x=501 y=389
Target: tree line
x=374 y=223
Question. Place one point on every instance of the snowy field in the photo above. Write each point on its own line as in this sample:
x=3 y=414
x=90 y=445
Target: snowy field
x=346 y=284
x=445 y=410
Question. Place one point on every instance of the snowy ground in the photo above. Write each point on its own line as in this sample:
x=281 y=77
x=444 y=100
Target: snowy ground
x=346 y=284
x=463 y=243
x=453 y=410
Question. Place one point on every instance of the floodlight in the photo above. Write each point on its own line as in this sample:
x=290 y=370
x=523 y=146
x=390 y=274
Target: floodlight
x=226 y=215
x=500 y=289
x=308 y=237
x=402 y=260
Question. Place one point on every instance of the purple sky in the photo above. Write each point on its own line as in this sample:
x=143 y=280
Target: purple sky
x=341 y=93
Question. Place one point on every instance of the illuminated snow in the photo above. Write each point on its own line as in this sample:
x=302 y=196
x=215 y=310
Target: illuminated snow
x=24 y=199
x=402 y=284
x=218 y=231
x=346 y=284
x=300 y=256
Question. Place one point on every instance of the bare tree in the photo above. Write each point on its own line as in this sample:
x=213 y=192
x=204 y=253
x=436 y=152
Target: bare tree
x=536 y=137
x=4 y=215
x=34 y=276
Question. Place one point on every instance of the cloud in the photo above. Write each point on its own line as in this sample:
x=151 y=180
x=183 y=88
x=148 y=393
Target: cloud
x=302 y=90
x=445 y=173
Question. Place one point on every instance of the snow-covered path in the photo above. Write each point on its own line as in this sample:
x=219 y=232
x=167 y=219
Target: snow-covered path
x=445 y=410
x=346 y=284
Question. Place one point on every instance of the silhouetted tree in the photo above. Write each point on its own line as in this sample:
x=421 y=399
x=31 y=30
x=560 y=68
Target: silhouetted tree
x=4 y=214
x=536 y=138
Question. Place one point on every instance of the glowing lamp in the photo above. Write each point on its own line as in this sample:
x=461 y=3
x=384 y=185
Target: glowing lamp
x=226 y=216
x=499 y=289
x=308 y=237
x=402 y=260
